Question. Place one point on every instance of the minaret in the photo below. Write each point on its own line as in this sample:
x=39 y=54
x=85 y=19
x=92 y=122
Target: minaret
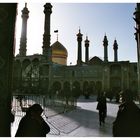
x=105 y=44
x=115 y=47
x=137 y=37
x=87 y=49
x=79 y=39
x=137 y=34
x=46 y=36
x=23 y=39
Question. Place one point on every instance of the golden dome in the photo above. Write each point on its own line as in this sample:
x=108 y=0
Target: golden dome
x=59 y=53
x=59 y=49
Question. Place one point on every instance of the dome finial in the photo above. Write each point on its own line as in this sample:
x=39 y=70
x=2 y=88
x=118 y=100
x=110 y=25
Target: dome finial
x=56 y=31
x=57 y=36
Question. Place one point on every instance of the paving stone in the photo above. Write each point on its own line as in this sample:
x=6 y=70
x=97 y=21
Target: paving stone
x=81 y=122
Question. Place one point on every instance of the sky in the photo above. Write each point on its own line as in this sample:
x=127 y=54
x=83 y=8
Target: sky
x=94 y=20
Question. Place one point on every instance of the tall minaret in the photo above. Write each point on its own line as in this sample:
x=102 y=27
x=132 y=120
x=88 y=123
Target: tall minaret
x=87 y=49
x=105 y=44
x=115 y=47
x=23 y=39
x=137 y=34
x=137 y=37
x=79 y=39
x=46 y=36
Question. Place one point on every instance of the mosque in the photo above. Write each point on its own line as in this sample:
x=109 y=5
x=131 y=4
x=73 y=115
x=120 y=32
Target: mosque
x=49 y=73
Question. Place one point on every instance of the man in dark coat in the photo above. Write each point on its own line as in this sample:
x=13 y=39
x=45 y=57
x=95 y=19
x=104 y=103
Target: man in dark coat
x=102 y=107
x=127 y=122
x=32 y=124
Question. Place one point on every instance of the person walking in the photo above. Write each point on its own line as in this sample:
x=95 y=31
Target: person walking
x=32 y=124
x=127 y=122
x=102 y=107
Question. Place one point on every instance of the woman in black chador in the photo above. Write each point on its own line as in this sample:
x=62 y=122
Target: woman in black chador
x=32 y=124
x=102 y=107
x=127 y=122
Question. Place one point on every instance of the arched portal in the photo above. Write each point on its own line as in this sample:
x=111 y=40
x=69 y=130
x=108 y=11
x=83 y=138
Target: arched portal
x=86 y=89
x=92 y=88
x=98 y=86
x=76 y=92
x=66 y=88
x=56 y=87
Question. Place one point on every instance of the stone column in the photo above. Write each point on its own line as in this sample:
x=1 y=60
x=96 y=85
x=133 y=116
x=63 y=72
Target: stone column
x=7 y=33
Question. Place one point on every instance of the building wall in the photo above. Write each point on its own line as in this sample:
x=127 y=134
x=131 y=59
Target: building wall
x=38 y=77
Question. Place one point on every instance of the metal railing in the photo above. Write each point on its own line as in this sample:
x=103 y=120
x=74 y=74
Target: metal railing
x=52 y=106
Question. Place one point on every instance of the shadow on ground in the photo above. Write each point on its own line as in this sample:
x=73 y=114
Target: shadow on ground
x=70 y=121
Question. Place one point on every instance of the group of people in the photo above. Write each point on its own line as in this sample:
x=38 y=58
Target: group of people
x=126 y=124
x=127 y=121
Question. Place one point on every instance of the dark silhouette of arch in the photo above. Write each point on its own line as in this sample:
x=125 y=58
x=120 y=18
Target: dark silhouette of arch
x=66 y=91
x=25 y=63
x=56 y=87
x=86 y=89
x=35 y=61
x=66 y=87
x=99 y=86
x=76 y=92
x=92 y=88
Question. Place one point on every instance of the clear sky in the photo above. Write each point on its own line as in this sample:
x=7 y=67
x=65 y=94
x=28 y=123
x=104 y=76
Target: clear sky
x=94 y=19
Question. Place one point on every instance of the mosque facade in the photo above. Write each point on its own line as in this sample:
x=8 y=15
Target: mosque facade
x=49 y=73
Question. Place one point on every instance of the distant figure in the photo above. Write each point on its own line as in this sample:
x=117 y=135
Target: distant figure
x=32 y=124
x=102 y=107
x=127 y=122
